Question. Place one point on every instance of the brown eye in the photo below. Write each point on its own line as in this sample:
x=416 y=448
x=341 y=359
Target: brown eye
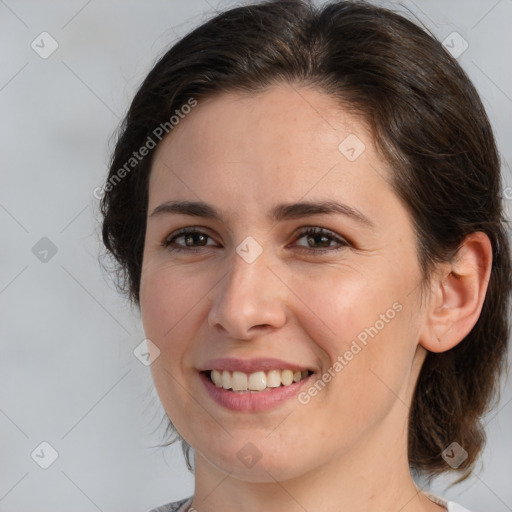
x=187 y=239
x=320 y=238
x=194 y=238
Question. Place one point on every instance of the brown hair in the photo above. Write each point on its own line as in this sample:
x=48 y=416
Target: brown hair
x=430 y=126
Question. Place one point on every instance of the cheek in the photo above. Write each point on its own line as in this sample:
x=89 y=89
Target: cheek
x=361 y=322
x=340 y=303
x=166 y=299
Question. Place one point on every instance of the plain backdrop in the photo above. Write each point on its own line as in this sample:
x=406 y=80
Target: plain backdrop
x=68 y=374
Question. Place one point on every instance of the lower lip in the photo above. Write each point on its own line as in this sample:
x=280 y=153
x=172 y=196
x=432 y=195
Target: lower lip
x=252 y=402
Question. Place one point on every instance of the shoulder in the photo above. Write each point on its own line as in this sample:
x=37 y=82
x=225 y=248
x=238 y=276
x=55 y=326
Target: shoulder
x=177 y=506
x=450 y=506
x=181 y=506
x=455 y=507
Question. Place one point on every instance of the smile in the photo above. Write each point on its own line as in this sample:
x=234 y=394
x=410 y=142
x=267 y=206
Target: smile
x=241 y=382
x=252 y=400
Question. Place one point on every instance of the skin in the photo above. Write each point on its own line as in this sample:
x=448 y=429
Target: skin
x=346 y=449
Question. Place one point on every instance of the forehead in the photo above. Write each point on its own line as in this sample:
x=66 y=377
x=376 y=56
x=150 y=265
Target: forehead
x=284 y=117
x=286 y=142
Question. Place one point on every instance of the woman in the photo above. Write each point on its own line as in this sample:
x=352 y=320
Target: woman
x=305 y=204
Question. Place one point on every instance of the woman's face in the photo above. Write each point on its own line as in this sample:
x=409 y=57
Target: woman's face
x=251 y=291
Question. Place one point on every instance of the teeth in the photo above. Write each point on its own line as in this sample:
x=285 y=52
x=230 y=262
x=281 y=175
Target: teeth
x=286 y=377
x=217 y=378
x=226 y=380
x=239 y=381
x=258 y=381
x=273 y=378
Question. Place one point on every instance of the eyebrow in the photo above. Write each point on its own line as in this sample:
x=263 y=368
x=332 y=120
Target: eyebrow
x=280 y=212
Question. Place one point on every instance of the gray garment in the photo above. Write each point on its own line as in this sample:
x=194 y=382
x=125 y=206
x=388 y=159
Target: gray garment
x=177 y=506
x=182 y=506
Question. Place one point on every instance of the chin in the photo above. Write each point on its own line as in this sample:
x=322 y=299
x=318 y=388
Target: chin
x=255 y=461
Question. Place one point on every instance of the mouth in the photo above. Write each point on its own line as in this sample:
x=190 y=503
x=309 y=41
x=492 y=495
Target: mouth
x=253 y=385
x=255 y=382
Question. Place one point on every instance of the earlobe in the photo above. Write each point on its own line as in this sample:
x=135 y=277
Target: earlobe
x=457 y=296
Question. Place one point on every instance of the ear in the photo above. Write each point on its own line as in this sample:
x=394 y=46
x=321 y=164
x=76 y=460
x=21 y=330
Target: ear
x=457 y=296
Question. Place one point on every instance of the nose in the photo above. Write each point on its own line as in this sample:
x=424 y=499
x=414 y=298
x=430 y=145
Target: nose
x=248 y=301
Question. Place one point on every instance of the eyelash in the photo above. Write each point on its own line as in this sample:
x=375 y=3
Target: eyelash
x=306 y=232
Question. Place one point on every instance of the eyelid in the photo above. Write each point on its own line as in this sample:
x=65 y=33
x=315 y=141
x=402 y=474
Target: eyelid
x=302 y=232
x=183 y=231
x=317 y=230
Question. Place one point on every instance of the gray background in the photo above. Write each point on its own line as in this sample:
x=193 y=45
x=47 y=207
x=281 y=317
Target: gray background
x=67 y=369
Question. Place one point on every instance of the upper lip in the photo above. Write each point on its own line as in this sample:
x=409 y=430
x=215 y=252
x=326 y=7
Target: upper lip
x=232 y=364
